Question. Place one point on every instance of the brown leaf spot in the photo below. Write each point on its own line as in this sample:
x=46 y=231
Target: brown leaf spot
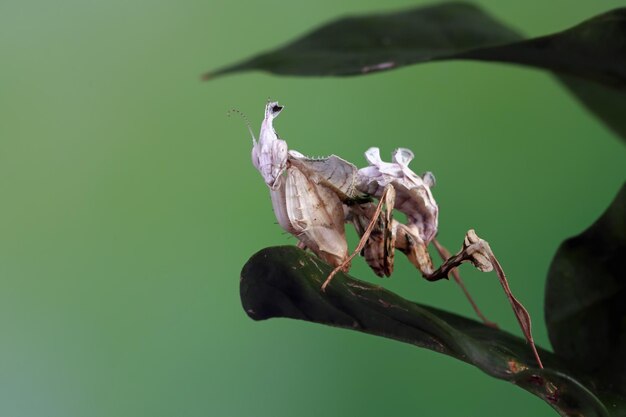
x=516 y=367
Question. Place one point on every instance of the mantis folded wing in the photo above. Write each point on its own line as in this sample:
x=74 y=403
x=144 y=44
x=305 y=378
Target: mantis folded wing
x=312 y=213
x=314 y=198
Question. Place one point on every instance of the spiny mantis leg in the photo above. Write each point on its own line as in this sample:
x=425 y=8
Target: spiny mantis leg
x=445 y=254
x=388 y=193
x=478 y=252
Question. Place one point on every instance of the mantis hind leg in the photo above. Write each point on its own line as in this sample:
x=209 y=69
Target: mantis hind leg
x=479 y=253
x=388 y=195
x=445 y=254
x=409 y=242
x=380 y=246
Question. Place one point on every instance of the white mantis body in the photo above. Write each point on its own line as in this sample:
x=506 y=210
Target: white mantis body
x=314 y=198
x=311 y=213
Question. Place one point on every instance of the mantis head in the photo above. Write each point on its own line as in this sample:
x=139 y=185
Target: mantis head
x=269 y=154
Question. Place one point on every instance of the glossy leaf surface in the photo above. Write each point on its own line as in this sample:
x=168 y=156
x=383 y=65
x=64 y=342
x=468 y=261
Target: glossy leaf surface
x=285 y=282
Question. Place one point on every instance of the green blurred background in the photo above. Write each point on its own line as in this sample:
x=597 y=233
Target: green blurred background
x=129 y=205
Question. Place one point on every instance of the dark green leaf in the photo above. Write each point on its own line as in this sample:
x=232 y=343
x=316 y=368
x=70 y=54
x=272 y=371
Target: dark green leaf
x=606 y=104
x=286 y=281
x=594 y=52
x=586 y=298
x=366 y=44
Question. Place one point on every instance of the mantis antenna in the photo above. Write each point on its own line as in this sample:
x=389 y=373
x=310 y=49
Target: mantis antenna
x=245 y=119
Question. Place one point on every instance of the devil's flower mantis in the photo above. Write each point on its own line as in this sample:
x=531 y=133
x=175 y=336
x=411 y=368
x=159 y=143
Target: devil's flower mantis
x=313 y=199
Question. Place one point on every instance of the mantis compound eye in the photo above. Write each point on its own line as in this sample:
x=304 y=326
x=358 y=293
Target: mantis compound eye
x=273 y=109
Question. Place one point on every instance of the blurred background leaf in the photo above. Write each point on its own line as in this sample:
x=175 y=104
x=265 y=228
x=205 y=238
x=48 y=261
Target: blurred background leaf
x=592 y=51
x=585 y=293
